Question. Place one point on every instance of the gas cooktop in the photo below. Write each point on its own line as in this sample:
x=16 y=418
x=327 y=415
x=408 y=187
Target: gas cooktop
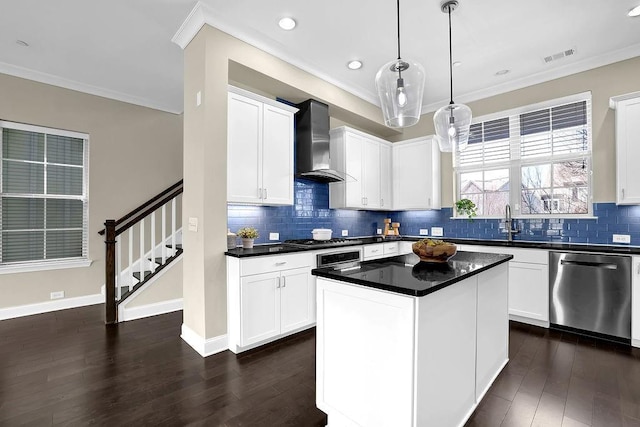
x=307 y=243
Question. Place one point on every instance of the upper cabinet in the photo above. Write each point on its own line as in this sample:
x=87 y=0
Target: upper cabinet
x=627 y=147
x=259 y=149
x=416 y=174
x=365 y=159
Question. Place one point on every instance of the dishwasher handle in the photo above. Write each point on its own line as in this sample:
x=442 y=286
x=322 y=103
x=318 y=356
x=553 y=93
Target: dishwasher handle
x=604 y=265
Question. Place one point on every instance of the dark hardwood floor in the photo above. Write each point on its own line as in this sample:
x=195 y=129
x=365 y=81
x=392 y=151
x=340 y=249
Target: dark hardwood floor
x=68 y=368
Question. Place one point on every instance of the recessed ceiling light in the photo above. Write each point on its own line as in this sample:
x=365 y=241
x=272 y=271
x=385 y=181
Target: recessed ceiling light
x=635 y=11
x=22 y=43
x=287 y=23
x=502 y=72
x=354 y=65
x=457 y=64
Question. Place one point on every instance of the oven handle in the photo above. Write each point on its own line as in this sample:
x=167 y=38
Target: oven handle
x=604 y=265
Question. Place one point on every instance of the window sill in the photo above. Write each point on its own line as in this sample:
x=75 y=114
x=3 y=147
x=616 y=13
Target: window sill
x=44 y=266
x=529 y=217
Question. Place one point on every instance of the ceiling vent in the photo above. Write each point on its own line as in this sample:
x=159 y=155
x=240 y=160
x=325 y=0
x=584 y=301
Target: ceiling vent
x=559 y=55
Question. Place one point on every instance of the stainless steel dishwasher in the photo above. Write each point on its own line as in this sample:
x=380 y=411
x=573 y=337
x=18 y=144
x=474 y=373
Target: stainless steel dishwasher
x=591 y=293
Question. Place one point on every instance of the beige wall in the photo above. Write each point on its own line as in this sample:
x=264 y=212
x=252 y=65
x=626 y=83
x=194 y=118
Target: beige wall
x=134 y=153
x=604 y=82
x=164 y=288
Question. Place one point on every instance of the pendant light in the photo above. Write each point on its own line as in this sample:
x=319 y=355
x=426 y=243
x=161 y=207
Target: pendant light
x=400 y=85
x=452 y=122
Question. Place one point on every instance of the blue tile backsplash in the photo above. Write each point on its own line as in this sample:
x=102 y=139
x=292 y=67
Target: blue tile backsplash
x=311 y=210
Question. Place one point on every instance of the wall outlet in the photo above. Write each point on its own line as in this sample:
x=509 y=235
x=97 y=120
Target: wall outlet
x=274 y=236
x=424 y=231
x=345 y=233
x=379 y=231
x=193 y=224
x=437 y=231
x=198 y=98
x=57 y=295
x=621 y=238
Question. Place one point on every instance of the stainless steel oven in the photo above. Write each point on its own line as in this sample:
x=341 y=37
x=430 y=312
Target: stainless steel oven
x=339 y=259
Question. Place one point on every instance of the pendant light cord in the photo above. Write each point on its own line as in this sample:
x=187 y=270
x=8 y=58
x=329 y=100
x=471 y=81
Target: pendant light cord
x=450 y=57
x=398 y=18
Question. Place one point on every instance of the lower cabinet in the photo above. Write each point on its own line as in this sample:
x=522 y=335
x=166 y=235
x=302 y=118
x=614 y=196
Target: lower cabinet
x=528 y=282
x=635 y=302
x=273 y=303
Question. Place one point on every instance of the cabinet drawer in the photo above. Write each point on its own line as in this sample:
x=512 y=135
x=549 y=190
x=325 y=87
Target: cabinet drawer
x=373 y=251
x=532 y=256
x=266 y=264
x=391 y=248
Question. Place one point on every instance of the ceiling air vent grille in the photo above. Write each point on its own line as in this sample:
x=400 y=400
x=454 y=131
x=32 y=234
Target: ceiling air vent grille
x=559 y=55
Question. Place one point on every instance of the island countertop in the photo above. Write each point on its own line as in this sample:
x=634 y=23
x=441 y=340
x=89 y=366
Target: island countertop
x=406 y=274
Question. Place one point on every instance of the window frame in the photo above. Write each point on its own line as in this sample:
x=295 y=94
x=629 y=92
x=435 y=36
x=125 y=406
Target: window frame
x=515 y=162
x=54 y=263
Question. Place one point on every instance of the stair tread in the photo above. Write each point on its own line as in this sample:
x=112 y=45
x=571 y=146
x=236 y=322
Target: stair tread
x=136 y=274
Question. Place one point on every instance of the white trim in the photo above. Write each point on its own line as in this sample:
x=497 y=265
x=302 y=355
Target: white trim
x=125 y=314
x=541 y=77
x=42 y=129
x=44 y=266
x=204 y=347
x=46 y=307
x=203 y=14
x=635 y=342
x=263 y=99
x=529 y=321
x=50 y=79
x=613 y=101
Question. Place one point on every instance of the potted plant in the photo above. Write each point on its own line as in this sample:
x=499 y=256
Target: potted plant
x=248 y=235
x=466 y=207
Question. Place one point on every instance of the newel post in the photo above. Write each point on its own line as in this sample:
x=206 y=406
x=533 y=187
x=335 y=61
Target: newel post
x=110 y=272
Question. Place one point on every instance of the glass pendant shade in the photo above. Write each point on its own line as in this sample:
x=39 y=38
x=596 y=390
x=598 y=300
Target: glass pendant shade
x=452 y=123
x=400 y=85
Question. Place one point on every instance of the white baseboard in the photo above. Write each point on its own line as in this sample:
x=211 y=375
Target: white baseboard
x=635 y=343
x=149 y=310
x=534 y=322
x=204 y=347
x=48 y=306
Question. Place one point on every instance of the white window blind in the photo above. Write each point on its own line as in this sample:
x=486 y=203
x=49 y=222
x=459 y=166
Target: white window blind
x=43 y=194
x=539 y=157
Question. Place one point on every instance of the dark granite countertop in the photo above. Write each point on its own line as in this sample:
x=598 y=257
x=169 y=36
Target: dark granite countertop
x=280 y=248
x=405 y=274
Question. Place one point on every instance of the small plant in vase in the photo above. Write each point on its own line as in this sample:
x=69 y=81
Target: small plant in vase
x=248 y=235
x=466 y=207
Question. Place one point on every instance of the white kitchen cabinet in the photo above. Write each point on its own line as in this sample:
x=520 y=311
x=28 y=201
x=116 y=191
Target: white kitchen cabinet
x=268 y=297
x=627 y=147
x=361 y=157
x=373 y=251
x=385 y=177
x=259 y=149
x=635 y=302
x=416 y=174
x=528 y=282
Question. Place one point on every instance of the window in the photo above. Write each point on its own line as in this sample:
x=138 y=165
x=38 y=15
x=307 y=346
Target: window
x=43 y=195
x=536 y=158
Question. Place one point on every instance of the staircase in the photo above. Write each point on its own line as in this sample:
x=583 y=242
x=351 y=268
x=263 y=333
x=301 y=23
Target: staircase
x=140 y=245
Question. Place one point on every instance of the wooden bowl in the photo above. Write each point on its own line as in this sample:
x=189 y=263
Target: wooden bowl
x=434 y=251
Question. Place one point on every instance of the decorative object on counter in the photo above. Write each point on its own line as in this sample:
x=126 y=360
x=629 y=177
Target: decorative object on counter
x=466 y=207
x=452 y=122
x=321 y=233
x=387 y=227
x=396 y=228
x=437 y=251
x=231 y=239
x=400 y=85
x=248 y=235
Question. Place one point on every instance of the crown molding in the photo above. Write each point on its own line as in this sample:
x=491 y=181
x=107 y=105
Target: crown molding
x=542 y=77
x=203 y=14
x=53 y=80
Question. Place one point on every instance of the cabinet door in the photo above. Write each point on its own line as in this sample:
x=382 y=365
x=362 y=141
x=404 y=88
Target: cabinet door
x=628 y=151
x=385 y=176
x=635 y=302
x=244 y=149
x=371 y=173
x=277 y=155
x=297 y=301
x=259 y=307
x=413 y=176
x=529 y=290
x=354 y=198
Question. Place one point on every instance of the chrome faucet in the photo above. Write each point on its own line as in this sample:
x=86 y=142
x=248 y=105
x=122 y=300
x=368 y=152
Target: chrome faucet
x=508 y=223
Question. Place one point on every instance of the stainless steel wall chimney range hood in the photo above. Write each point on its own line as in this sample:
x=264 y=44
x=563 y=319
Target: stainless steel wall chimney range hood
x=312 y=143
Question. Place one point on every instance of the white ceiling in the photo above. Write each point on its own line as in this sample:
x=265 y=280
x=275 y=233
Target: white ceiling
x=122 y=49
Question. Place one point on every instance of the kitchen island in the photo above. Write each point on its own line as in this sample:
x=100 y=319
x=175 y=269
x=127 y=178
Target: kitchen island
x=405 y=343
